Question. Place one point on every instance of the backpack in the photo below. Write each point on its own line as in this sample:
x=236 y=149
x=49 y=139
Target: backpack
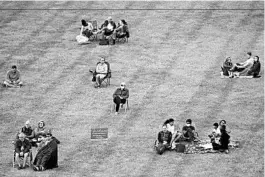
x=103 y=42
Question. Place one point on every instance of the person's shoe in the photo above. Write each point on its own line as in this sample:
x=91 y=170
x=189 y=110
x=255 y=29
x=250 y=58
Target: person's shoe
x=91 y=71
x=35 y=168
x=226 y=151
x=19 y=167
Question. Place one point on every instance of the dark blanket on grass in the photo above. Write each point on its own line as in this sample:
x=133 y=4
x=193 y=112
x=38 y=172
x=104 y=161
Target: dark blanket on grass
x=203 y=147
x=47 y=156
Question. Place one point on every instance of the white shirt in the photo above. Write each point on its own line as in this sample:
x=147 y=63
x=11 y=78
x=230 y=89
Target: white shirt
x=110 y=27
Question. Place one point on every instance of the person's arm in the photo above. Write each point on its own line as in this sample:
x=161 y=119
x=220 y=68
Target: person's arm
x=31 y=135
x=105 y=69
x=169 y=138
x=116 y=93
x=159 y=138
x=18 y=77
x=126 y=95
x=81 y=31
x=17 y=147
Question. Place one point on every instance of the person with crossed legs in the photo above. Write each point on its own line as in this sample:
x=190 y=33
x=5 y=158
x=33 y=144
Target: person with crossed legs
x=120 y=96
x=13 y=78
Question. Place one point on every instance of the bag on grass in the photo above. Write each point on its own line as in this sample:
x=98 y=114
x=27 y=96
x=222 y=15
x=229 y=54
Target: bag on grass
x=103 y=42
x=81 y=39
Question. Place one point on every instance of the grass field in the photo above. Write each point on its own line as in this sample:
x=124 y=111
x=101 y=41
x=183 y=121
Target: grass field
x=171 y=65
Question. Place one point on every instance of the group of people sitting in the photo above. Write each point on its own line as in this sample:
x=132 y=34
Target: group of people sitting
x=107 y=31
x=251 y=67
x=41 y=138
x=171 y=136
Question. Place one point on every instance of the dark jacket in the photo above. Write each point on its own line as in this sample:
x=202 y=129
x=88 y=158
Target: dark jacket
x=26 y=145
x=164 y=136
x=255 y=69
x=224 y=140
x=28 y=132
x=105 y=24
x=123 y=93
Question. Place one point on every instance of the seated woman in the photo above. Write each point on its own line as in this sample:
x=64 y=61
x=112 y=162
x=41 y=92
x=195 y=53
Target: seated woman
x=85 y=32
x=107 y=28
x=122 y=30
x=255 y=69
x=164 y=139
x=222 y=144
x=221 y=123
x=227 y=65
x=47 y=155
x=39 y=130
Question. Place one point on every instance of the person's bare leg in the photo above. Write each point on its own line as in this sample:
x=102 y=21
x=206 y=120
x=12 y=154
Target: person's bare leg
x=25 y=159
x=17 y=159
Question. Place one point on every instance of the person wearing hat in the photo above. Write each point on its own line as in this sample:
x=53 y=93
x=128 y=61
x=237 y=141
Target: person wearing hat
x=13 y=78
x=22 y=147
x=120 y=96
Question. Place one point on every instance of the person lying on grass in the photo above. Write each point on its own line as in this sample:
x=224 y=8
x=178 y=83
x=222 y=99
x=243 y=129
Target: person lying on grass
x=164 y=139
x=120 y=96
x=47 y=154
x=255 y=69
x=22 y=148
x=243 y=68
x=13 y=78
x=222 y=143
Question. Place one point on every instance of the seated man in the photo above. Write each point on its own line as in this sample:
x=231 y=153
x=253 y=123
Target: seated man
x=242 y=68
x=100 y=72
x=164 y=139
x=120 y=96
x=13 y=78
x=47 y=154
x=107 y=28
x=29 y=133
x=22 y=148
x=188 y=133
x=255 y=69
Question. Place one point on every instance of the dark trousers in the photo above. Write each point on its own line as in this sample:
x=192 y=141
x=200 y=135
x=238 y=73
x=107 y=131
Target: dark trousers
x=161 y=148
x=118 y=101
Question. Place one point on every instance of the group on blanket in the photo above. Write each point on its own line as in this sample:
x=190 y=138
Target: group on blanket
x=108 y=31
x=171 y=137
x=251 y=67
x=41 y=138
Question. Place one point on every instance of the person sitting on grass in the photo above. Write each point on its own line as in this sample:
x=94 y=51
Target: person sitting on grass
x=164 y=139
x=22 y=148
x=214 y=134
x=47 y=154
x=221 y=123
x=85 y=32
x=242 y=68
x=227 y=65
x=100 y=72
x=222 y=144
x=107 y=28
x=13 y=78
x=255 y=69
x=120 y=96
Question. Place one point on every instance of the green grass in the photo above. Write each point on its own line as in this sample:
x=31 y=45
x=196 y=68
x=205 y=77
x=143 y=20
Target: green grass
x=171 y=65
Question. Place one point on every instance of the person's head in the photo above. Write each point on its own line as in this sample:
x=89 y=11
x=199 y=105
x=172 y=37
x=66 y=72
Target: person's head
x=188 y=122
x=184 y=130
x=21 y=136
x=41 y=124
x=14 y=67
x=102 y=60
x=49 y=135
x=123 y=85
x=171 y=121
x=27 y=124
x=164 y=127
x=249 y=54
x=215 y=125
x=123 y=22
x=109 y=19
x=84 y=23
x=256 y=58
x=228 y=60
x=222 y=122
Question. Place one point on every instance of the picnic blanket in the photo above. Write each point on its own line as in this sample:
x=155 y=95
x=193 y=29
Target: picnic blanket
x=205 y=146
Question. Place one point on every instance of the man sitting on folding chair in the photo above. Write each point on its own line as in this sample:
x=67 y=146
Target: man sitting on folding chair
x=22 y=149
x=100 y=72
x=120 y=96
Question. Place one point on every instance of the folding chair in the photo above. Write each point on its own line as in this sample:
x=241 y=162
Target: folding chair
x=106 y=79
x=125 y=106
x=95 y=29
x=29 y=160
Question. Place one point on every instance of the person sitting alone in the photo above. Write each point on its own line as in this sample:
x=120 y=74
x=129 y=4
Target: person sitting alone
x=164 y=139
x=222 y=144
x=227 y=65
x=85 y=32
x=13 y=78
x=255 y=69
x=122 y=30
x=107 y=28
x=242 y=68
x=22 y=148
x=101 y=72
x=120 y=96
x=47 y=154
